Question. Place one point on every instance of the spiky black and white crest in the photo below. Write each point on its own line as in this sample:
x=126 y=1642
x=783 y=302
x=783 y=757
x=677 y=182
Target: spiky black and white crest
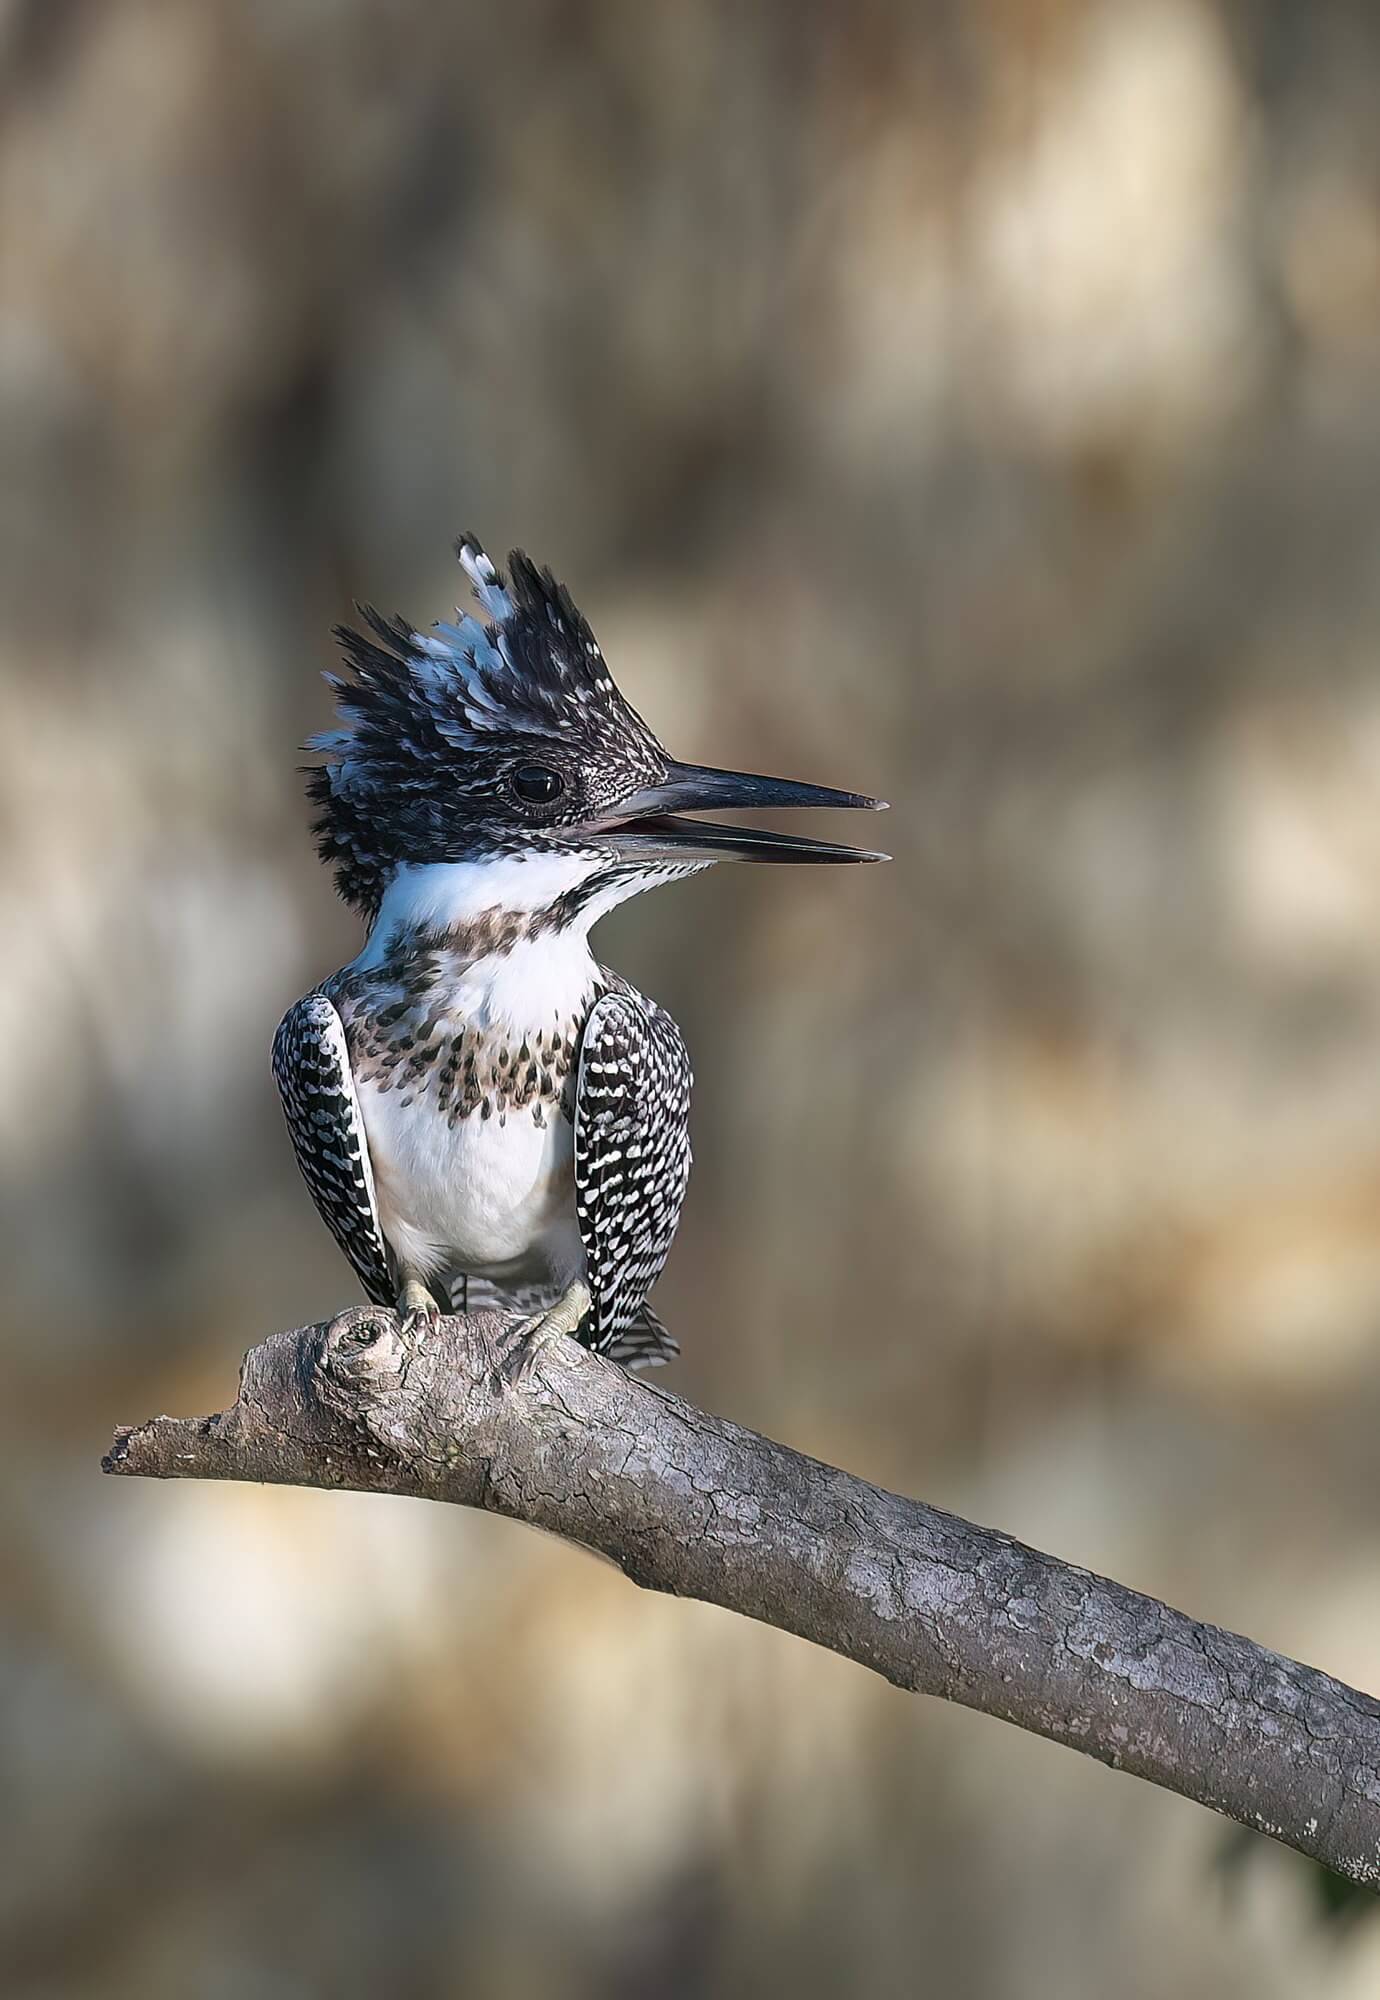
x=434 y=725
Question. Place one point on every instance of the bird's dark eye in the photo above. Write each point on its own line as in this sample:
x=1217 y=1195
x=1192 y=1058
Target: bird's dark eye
x=537 y=784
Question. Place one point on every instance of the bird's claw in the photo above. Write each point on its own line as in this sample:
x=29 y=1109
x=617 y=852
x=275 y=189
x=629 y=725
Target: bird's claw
x=418 y=1311
x=518 y=1346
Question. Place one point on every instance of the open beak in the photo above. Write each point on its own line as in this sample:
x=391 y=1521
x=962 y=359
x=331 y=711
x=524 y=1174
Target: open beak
x=648 y=827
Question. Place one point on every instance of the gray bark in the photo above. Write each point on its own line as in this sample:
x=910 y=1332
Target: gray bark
x=692 y=1504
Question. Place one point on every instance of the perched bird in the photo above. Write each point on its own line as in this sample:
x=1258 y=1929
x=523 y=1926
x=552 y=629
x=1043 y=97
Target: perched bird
x=482 y=1112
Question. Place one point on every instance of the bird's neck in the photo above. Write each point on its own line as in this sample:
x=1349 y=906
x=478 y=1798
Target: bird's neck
x=542 y=891
x=503 y=940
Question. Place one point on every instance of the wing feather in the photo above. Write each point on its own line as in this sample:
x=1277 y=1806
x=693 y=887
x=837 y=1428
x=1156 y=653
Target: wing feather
x=311 y=1066
x=632 y=1163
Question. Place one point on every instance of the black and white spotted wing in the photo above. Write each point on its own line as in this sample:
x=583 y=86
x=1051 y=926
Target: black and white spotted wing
x=632 y=1162
x=311 y=1067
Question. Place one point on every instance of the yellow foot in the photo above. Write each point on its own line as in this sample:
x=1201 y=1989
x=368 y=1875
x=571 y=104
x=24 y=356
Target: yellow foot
x=417 y=1309
x=519 y=1347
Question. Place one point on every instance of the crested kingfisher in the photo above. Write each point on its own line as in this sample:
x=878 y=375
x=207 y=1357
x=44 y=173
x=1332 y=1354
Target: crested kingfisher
x=483 y=1113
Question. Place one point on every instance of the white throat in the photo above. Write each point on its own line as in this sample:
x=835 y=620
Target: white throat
x=542 y=981
x=444 y=895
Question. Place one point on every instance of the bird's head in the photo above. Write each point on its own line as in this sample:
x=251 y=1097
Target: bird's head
x=508 y=738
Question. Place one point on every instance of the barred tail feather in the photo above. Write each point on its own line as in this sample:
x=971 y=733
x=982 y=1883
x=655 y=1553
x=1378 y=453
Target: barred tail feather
x=644 y=1344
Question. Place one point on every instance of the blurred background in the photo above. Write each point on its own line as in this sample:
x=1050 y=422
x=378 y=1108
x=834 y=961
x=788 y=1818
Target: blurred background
x=977 y=402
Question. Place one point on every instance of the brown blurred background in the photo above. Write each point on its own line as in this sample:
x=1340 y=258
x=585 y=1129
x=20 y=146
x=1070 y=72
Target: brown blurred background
x=973 y=402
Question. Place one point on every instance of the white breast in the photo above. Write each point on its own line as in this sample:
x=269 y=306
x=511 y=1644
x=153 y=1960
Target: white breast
x=491 y=1196
x=494 y=1197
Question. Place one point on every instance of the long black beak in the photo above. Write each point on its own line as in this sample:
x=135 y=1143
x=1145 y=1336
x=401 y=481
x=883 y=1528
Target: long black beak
x=646 y=825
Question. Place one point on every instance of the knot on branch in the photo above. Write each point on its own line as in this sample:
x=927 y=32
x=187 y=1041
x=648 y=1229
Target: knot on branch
x=417 y=1405
x=360 y=1359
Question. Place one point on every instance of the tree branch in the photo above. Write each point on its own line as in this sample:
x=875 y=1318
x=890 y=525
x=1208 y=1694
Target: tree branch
x=694 y=1505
